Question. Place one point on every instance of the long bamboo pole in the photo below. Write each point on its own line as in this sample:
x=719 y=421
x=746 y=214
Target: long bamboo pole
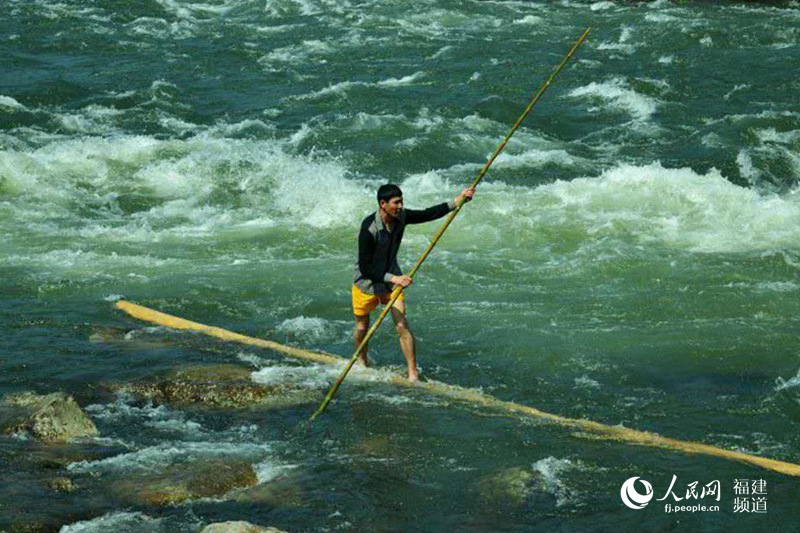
x=580 y=427
x=396 y=294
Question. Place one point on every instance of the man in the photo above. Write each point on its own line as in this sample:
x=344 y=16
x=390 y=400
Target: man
x=377 y=272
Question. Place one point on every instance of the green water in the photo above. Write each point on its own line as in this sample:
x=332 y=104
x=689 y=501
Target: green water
x=632 y=258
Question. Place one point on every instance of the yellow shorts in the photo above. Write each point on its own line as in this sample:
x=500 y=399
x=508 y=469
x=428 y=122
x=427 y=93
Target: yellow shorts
x=364 y=304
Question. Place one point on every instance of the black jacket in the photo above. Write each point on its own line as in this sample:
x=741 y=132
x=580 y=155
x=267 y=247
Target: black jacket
x=377 y=246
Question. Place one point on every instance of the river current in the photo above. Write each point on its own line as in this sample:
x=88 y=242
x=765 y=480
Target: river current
x=632 y=258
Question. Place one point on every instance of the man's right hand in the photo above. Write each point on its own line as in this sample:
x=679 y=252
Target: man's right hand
x=405 y=281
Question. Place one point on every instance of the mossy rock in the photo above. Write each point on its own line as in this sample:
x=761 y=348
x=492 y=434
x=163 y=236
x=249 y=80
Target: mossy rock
x=508 y=487
x=210 y=373
x=62 y=484
x=216 y=386
x=185 y=481
x=53 y=417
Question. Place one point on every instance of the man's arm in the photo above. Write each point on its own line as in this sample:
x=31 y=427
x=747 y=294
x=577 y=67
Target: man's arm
x=414 y=216
x=438 y=211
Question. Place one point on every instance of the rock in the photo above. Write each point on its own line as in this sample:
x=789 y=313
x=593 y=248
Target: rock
x=45 y=516
x=281 y=492
x=123 y=339
x=211 y=373
x=238 y=527
x=507 y=487
x=374 y=446
x=51 y=418
x=29 y=505
x=216 y=386
x=185 y=481
x=61 y=484
x=30 y=527
x=42 y=455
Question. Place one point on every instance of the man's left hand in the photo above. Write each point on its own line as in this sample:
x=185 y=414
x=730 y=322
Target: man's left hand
x=466 y=195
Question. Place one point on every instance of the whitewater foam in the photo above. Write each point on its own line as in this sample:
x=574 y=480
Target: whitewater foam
x=602 y=6
x=767 y=286
x=622 y=44
x=307 y=329
x=783 y=384
x=531 y=20
x=267 y=471
x=159 y=417
x=617 y=95
x=194 y=187
x=312 y=377
x=9 y=103
x=121 y=522
x=552 y=479
x=679 y=208
x=586 y=382
x=167 y=453
x=539 y=159
x=341 y=88
x=298 y=52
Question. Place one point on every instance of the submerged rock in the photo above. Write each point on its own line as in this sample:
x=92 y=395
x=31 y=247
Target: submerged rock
x=185 y=481
x=28 y=508
x=30 y=527
x=211 y=373
x=374 y=446
x=281 y=492
x=124 y=339
x=238 y=527
x=47 y=456
x=216 y=386
x=53 y=417
x=507 y=487
x=61 y=484
x=538 y=488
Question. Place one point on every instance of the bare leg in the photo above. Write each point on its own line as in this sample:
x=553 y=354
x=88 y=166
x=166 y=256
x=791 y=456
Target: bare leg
x=362 y=326
x=406 y=338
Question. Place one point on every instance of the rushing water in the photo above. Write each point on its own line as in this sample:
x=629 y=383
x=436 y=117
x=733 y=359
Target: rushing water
x=632 y=258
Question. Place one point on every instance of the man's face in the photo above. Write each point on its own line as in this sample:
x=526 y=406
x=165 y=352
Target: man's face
x=393 y=207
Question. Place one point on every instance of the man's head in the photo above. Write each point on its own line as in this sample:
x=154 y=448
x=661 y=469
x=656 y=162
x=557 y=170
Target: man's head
x=390 y=199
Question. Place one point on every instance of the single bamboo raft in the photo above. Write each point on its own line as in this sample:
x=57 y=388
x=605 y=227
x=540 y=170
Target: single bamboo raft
x=621 y=434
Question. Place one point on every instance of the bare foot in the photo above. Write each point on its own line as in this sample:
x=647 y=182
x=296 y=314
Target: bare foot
x=413 y=376
x=363 y=361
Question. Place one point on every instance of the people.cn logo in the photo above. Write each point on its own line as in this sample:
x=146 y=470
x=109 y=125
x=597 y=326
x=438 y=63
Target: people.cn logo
x=633 y=498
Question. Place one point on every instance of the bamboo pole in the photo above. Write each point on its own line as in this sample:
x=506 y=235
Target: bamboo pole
x=396 y=294
x=467 y=396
